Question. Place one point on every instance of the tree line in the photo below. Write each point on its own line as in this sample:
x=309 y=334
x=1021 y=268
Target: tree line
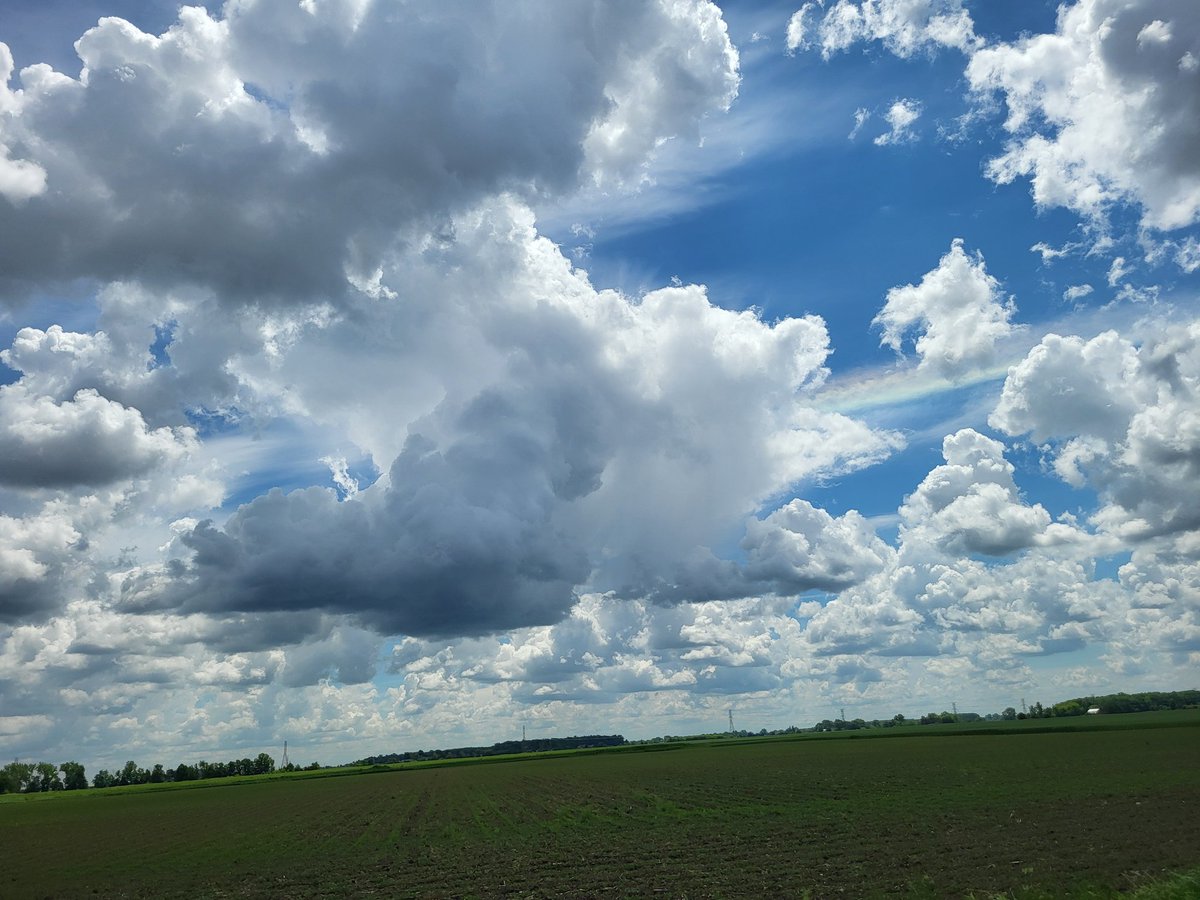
x=1147 y=701
x=35 y=778
x=534 y=745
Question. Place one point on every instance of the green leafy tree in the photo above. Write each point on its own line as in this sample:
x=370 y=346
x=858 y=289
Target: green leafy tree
x=184 y=772
x=74 y=777
x=263 y=764
x=1009 y=714
x=131 y=774
x=45 y=778
x=15 y=777
x=103 y=779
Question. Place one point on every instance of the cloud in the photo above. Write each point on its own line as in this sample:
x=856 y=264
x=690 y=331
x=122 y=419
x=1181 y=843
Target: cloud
x=116 y=360
x=905 y=27
x=860 y=119
x=88 y=440
x=1067 y=386
x=20 y=179
x=1117 y=271
x=960 y=310
x=901 y=116
x=970 y=505
x=250 y=152
x=1187 y=254
x=799 y=547
x=1104 y=111
x=37 y=553
x=1120 y=418
x=554 y=445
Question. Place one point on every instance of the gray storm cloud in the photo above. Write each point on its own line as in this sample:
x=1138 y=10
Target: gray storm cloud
x=269 y=151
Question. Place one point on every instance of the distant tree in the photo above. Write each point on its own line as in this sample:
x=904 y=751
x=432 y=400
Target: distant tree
x=157 y=775
x=74 y=777
x=15 y=777
x=1022 y=716
x=263 y=764
x=103 y=779
x=131 y=774
x=184 y=772
x=45 y=778
x=313 y=766
x=1009 y=714
x=898 y=719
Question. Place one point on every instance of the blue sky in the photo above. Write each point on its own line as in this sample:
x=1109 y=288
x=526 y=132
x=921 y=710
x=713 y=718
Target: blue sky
x=377 y=380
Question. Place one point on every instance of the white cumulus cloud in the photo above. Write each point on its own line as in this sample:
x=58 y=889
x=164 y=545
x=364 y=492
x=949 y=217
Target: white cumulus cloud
x=959 y=310
x=1105 y=110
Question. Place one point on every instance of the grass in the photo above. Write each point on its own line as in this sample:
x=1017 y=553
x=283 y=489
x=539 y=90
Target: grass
x=1086 y=812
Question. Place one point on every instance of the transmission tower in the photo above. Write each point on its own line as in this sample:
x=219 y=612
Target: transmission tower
x=284 y=763
x=730 y=720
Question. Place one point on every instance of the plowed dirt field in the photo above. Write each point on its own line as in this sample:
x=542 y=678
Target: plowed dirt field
x=947 y=816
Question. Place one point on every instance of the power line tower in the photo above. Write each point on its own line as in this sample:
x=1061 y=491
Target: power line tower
x=1023 y=709
x=522 y=734
x=954 y=706
x=843 y=712
x=730 y=711
x=285 y=762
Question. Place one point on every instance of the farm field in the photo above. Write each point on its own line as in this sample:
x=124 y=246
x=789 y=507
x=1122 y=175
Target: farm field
x=1086 y=811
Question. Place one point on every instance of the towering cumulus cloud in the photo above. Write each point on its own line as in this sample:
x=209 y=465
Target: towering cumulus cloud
x=316 y=216
x=567 y=451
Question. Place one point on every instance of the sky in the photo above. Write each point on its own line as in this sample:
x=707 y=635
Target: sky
x=380 y=376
